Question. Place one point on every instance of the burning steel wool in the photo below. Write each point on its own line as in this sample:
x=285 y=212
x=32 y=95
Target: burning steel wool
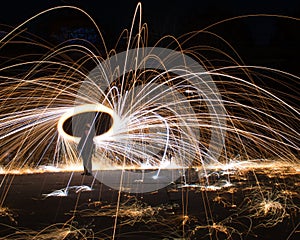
x=168 y=123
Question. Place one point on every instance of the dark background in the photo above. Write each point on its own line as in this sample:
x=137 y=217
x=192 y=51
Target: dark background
x=264 y=41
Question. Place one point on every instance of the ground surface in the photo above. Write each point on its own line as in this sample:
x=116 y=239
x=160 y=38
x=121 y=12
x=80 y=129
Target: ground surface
x=255 y=205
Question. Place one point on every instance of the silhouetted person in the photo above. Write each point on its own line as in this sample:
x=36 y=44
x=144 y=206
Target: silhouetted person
x=86 y=149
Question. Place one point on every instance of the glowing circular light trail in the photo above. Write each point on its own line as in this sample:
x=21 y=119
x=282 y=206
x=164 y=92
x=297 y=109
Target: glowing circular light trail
x=87 y=108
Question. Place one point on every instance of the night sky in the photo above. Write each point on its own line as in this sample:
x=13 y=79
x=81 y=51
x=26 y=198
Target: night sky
x=261 y=41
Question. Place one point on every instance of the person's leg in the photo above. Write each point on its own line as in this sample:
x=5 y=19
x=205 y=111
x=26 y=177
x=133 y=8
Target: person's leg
x=85 y=166
x=89 y=165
